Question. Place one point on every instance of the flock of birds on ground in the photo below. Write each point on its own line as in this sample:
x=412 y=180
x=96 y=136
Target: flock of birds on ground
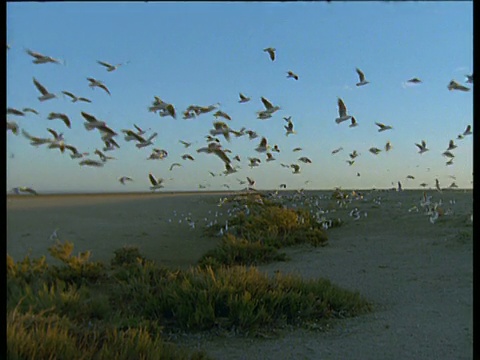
x=213 y=146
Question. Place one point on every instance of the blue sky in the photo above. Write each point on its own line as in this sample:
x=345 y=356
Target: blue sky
x=205 y=53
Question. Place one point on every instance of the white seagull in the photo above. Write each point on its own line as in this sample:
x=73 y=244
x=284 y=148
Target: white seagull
x=422 y=147
x=156 y=183
x=45 y=94
x=123 y=179
x=97 y=83
x=383 y=127
x=243 y=98
x=453 y=85
x=342 y=112
x=361 y=76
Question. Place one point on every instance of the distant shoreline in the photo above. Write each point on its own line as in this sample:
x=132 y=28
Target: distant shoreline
x=217 y=192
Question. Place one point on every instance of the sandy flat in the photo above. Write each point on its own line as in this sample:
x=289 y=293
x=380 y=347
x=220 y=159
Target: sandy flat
x=419 y=275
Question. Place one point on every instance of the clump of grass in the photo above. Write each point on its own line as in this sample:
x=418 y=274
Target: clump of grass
x=254 y=238
x=49 y=336
x=127 y=255
x=234 y=250
x=77 y=269
x=233 y=297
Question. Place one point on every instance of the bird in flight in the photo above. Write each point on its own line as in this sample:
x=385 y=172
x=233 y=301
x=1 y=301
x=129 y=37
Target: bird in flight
x=342 y=112
x=453 y=85
x=90 y=162
x=451 y=145
x=291 y=74
x=305 y=160
x=414 y=80
x=12 y=126
x=156 y=183
x=388 y=146
x=383 y=127
x=173 y=165
x=124 y=179
x=60 y=116
x=97 y=83
x=422 y=147
x=374 y=150
x=45 y=94
x=269 y=109
x=271 y=52
x=243 y=98
x=110 y=67
x=468 y=131
x=362 y=79
x=20 y=189
x=16 y=112
x=262 y=147
x=75 y=98
x=289 y=128
x=353 y=122
x=41 y=59
x=337 y=150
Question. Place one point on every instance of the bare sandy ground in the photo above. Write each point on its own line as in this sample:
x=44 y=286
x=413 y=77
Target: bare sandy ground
x=419 y=275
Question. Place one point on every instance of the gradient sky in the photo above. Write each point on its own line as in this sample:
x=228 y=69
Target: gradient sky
x=203 y=53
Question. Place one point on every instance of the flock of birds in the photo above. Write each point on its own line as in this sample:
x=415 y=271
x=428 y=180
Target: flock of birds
x=220 y=131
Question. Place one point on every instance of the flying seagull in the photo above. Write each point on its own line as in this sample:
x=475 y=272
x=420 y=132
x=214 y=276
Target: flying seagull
x=18 y=190
x=156 y=183
x=60 y=116
x=75 y=98
x=45 y=94
x=173 y=165
x=469 y=78
x=337 y=150
x=243 y=98
x=451 y=145
x=16 y=112
x=468 y=131
x=305 y=160
x=422 y=147
x=388 y=146
x=123 y=179
x=90 y=162
x=41 y=59
x=361 y=76
x=271 y=52
x=262 y=147
x=289 y=128
x=97 y=83
x=354 y=122
x=414 y=80
x=291 y=74
x=374 y=150
x=30 y=110
x=13 y=126
x=453 y=85
x=342 y=112
x=109 y=67
x=383 y=127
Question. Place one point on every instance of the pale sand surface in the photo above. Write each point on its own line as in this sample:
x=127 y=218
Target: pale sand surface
x=419 y=275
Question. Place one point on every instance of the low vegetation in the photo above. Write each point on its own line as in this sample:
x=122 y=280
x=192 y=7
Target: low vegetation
x=256 y=235
x=127 y=309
